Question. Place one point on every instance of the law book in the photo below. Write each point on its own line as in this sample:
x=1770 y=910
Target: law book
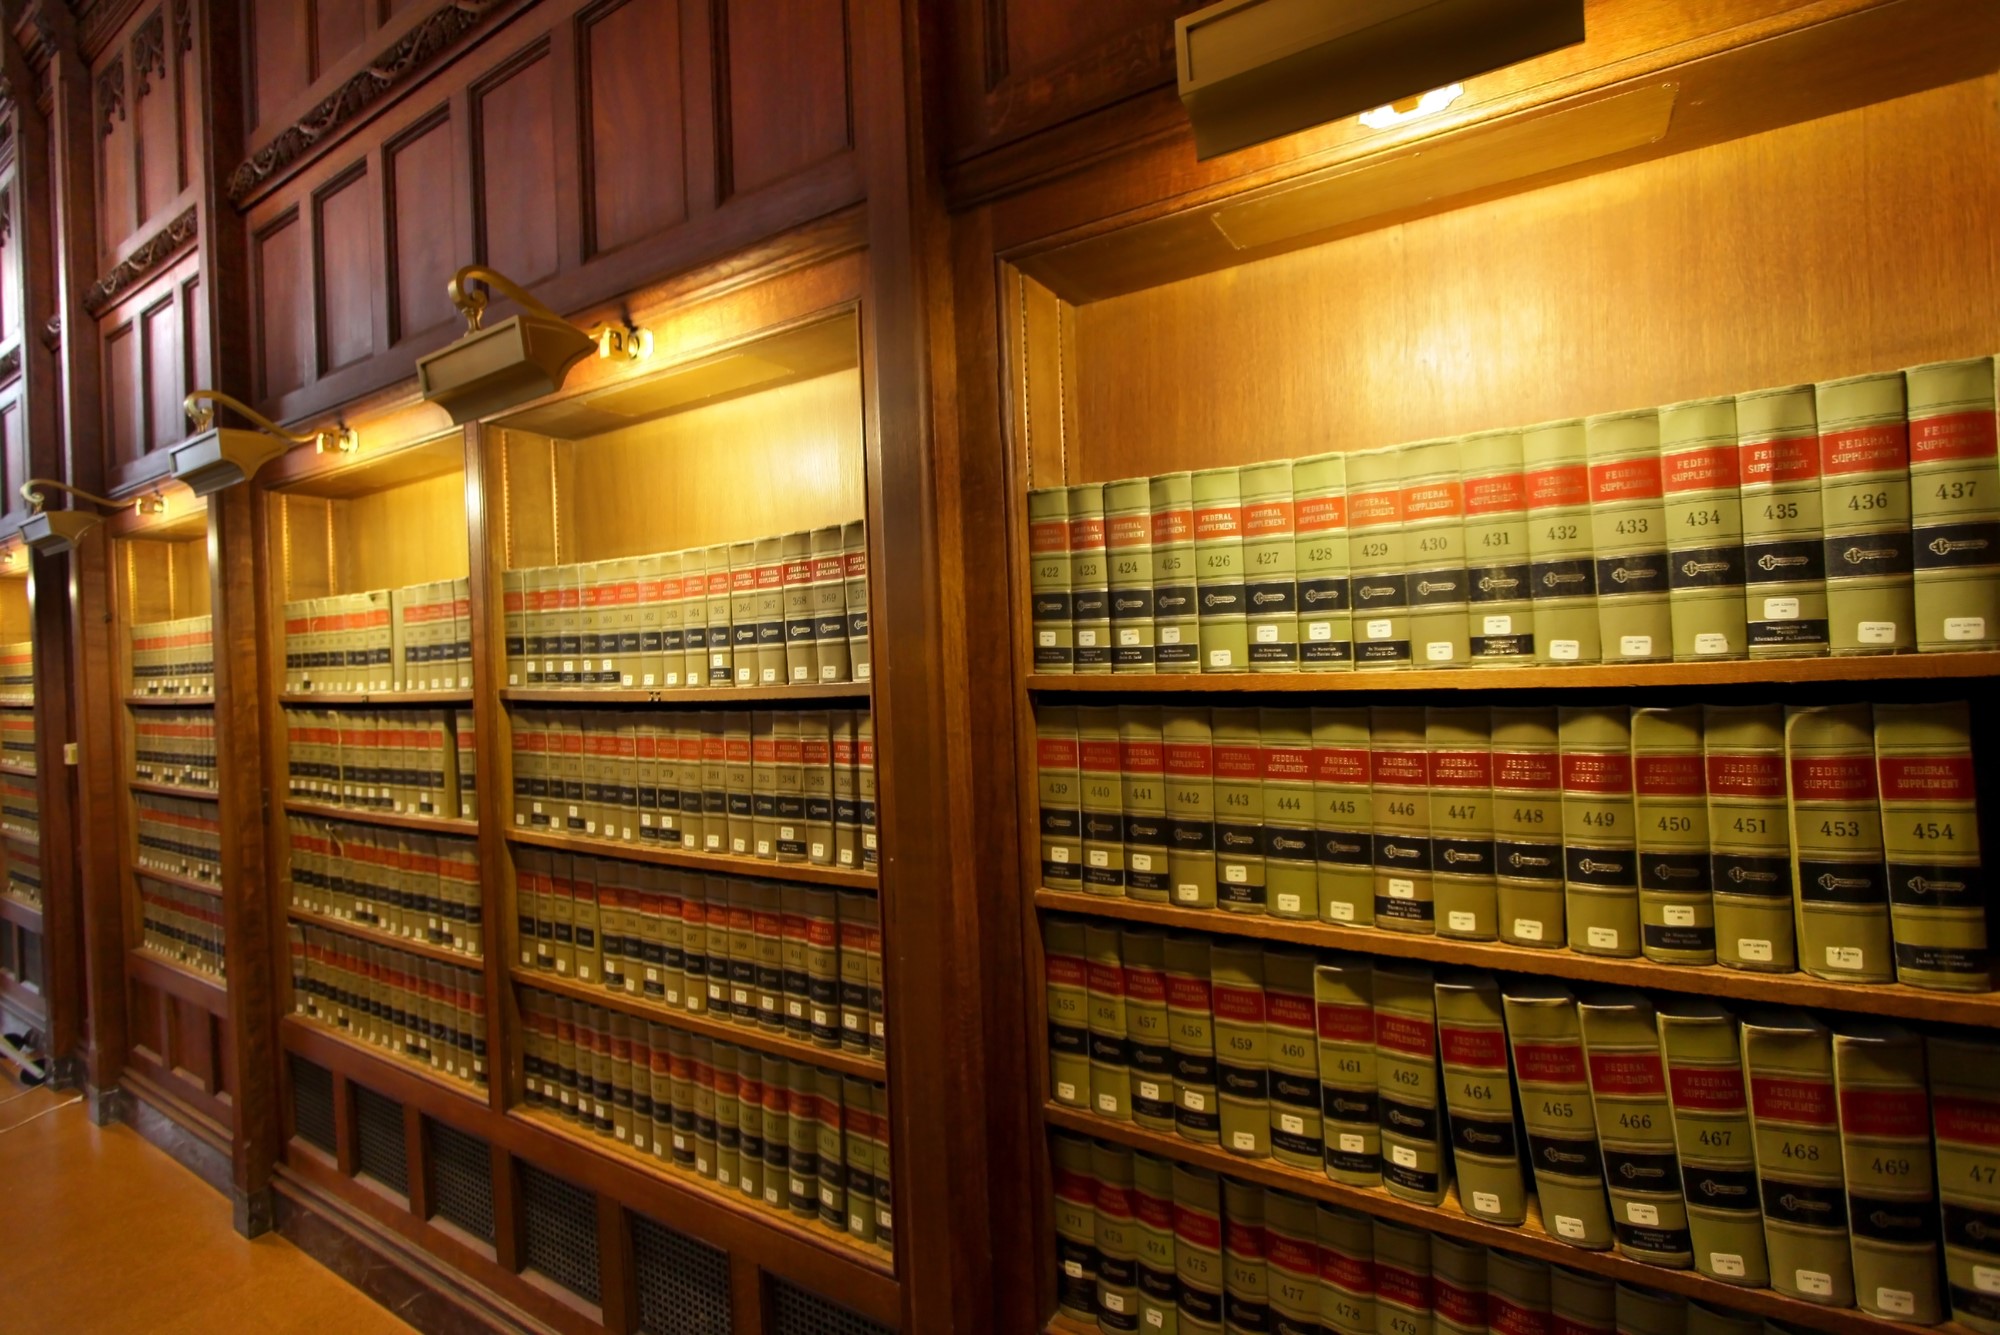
x=1954 y=505
x=719 y=603
x=796 y=584
x=1788 y=1065
x=1100 y=770
x=1705 y=1320
x=1240 y=840
x=823 y=978
x=1784 y=552
x=1128 y=541
x=1176 y=617
x=847 y=793
x=816 y=785
x=1346 y=1271
x=1242 y=1048
x=1415 y=1163
x=854 y=580
x=662 y=640
x=1433 y=502
x=1930 y=843
x=857 y=919
x=864 y=788
x=744 y=603
x=1319 y=518
x=1628 y=1093
x=1153 y=1213
x=1188 y=744
x=513 y=632
x=1090 y=593
x=1220 y=594
x=1479 y=1097
x=831 y=656
x=1198 y=1263
x=1749 y=832
x=1581 y=1304
x=1842 y=906
x=1297 y=1135
x=1517 y=1295
x=767 y=610
x=1644 y=1311
x=1110 y=1074
x=1885 y=1143
x=1148 y=1046
x=1864 y=447
x=1399 y=757
x=689 y=742
x=1074 y=1201
x=1117 y=1236
x=1562 y=566
x=1545 y=1043
x=1191 y=1038
x=1402 y=1280
x=1461 y=784
x=1379 y=584
x=1343 y=816
x=1458 y=1287
x=1527 y=827
x=1700 y=478
x=1143 y=802
x=1671 y=839
x=1499 y=575
x=1246 y=1277
x=739 y=779
x=1711 y=1126
x=1600 y=880
x=1628 y=536
x=1291 y=869
x=1270 y=566
x=1291 y=1227
x=1344 y=1006
x=1965 y=1116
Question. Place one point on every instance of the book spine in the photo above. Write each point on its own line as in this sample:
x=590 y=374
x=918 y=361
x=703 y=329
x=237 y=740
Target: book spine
x=1700 y=481
x=1499 y=577
x=1128 y=540
x=1518 y=1299
x=1117 y=1236
x=1290 y=869
x=801 y=666
x=1546 y=1046
x=1191 y=1036
x=1965 y=1119
x=1190 y=788
x=1198 y=1263
x=1402 y=1280
x=1246 y=1279
x=1628 y=1092
x=1090 y=587
x=1784 y=548
x=1711 y=1122
x=1434 y=544
x=1240 y=841
x=768 y=611
x=1600 y=881
x=1628 y=536
x=1346 y=1271
x=1176 y=619
x=1075 y=1204
x=1461 y=786
x=1319 y=517
x=854 y=581
x=1788 y=1064
x=1750 y=865
x=1479 y=1095
x=1220 y=592
x=1153 y=1210
x=1842 y=909
x=1142 y=774
x=1864 y=458
x=1270 y=567
x=1885 y=1142
x=1379 y=585
x=1414 y=1162
x=1110 y=1073
x=1149 y=1050
x=1670 y=823
x=1527 y=828
x=1343 y=1002
x=1400 y=763
x=1930 y=843
x=1562 y=569
x=1103 y=813
x=1458 y=1287
x=719 y=605
x=1955 y=505
x=1242 y=1048
x=1297 y=1135
x=1291 y=1228
x=1343 y=816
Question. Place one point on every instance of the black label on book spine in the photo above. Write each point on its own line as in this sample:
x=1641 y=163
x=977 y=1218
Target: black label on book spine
x=1674 y=871
x=1499 y=584
x=1437 y=588
x=1373 y=591
x=1272 y=596
x=1641 y=572
x=1809 y=1205
x=1796 y=561
x=1863 y=555
x=1570 y=578
x=1842 y=883
x=1942 y=959
x=1402 y=852
x=1493 y=1139
x=1529 y=862
x=1221 y=599
x=1323 y=651
x=1928 y=885
x=1192 y=836
x=1599 y=866
x=1722 y=1189
x=1323 y=593
x=1409 y=1178
x=1706 y=568
x=1344 y=848
x=1909 y=1222
x=1465 y=857
x=1174 y=600
x=1566 y=1156
x=1678 y=938
x=1968 y=1302
x=1640 y=1238
x=1131 y=604
x=1239 y=840
x=1355 y=1107
x=1638 y=1171
x=1738 y=874
x=1408 y=1120
x=1957 y=546
x=1404 y=910
x=1974 y=1230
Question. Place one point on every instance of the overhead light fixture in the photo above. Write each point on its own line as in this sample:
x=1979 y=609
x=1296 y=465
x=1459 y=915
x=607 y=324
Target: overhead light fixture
x=624 y=342
x=1413 y=108
x=524 y=357
x=52 y=532
x=216 y=457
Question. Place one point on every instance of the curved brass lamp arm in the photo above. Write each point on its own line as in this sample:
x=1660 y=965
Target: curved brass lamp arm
x=200 y=407
x=472 y=300
x=32 y=494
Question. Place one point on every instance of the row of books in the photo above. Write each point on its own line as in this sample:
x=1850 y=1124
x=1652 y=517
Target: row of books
x=17 y=740
x=1842 y=841
x=409 y=762
x=180 y=836
x=1856 y=516
x=781 y=1133
x=783 y=785
x=769 y=612
x=787 y=958
x=1143 y=1243
x=1627 y=1118
x=173 y=657
x=424 y=1010
x=416 y=638
x=17 y=673
x=20 y=807
x=174 y=747
x=184 y=925
x=419 y=886
x=21 y=871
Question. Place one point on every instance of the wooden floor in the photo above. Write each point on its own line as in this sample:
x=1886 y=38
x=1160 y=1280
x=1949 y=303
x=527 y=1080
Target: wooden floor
x=99 y=1231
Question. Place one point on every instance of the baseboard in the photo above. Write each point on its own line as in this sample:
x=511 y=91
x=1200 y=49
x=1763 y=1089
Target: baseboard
x=173 y=1132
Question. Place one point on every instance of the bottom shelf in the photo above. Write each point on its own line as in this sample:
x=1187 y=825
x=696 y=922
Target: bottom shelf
x=1529 y=1239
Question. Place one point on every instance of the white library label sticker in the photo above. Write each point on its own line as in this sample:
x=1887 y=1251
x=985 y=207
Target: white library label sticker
x=1816 y=1282
x=1754 y=948
x=1220 y=658
x=1236 y=874
x=1319 y=631
x=1113 y=1301
x=1156 y=1318
x=1403 y=1156
x=1896 y=1302
x=1142 y=862
x=1402 y=889
x=1288 y=903
x=1678 y=915
x=1340 y=912
x=1726 y=1263
x=1875 y=632
x=1107 y=1102
x=1128 y=637
x=1097 y=857
x=1352 y=1144
x=1243 y=1140
x=1194 y=1100
x=1086 y=639
x=1965 y=628
x=1267 y=634
x=1148 y=1090
x=1528 y=929
x=1291 y=1124
x=1565 y=651
x=1844 y=957
x=1379 y=629
x=1568 y=1226
x=1059 y=855
x=1711 y=643
x=1637 y=1213
x=1485 y=1202
x=1986 y=1278
x=1170 y=635
x=1781 y=609
x=1635 y=646
x=1438 y=651
x=1604 y=938
x=1187 y=893
x=1498 y=625
x=1460 y=921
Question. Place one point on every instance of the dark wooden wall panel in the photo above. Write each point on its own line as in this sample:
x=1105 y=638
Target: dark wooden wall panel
x=1045 y=32
x=155 y=118
x=117 y=192
x=422 y=216
x=635 y=154
x=161 y=352
x=10 y=287
x=13 y=448
x=345 y=269
x=788 y=88
x=515 y=163
x=338 y=27
x=188 y=97
x=193 y=1044
x=123 y=374
x=283 y=313
x=280 y=55
x=195 y=370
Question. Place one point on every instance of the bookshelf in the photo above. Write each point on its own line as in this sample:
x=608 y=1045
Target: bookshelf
x=1340 y=319
x=23 y=939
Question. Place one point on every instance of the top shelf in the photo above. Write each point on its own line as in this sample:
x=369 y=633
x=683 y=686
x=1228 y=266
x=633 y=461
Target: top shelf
x=1768 y=671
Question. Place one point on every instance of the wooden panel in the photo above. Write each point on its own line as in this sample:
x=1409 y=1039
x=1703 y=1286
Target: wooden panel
x=10 y=275
x=338 y=27
x=117 y=191
x=422 y=210
x=13 y=457
x=283 y=315
x=516 y=170
x=187 y=97
x=145 y=1016
x=787 y=92
x=1045 y=32
x=161 y=351
x=124 y=436
x=194 y=332
x=280 y=55
x=345 y=272
x=193 y=1040
x=630 y=60
x=155 y=117
x=406 y=535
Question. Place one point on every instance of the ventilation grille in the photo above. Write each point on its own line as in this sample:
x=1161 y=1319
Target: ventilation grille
x=796 y=1312
x=462 y=1180
x=312 y=1103
x=561 y=1232
x=683 y=1284
x=381 y=1152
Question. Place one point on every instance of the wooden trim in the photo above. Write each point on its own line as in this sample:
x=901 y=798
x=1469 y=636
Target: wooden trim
x=394 y=820
x=25 y=916
x=324 y=1044
x=718 y=863
x=173 y=878
x=177 y=980
x=170 y=701
x=377 y=937
x=704 y=695
x=375 y=699
x=169 y=790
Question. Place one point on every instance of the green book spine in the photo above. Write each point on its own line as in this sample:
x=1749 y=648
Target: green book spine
x=1670 y=824
x=1142 y=770
x=1649 y=1312
x=1402 y=1280
x=1546 y=1045
x=1842 y=908
x=1110 y=1066
x=1291 y=870
x=1239 y=811
x=1864 y=449
x=1628 y=1095
x=1628 y=534
x=1048 y=546
x=1291 y=1226
x=1479 y=1095
x=1600 y=881
x=1711 y=1121
x=1343 y=816
x=743 y=605
x=801 y=663
x=854 y=594
x=1153 y=1206
x=1788 y=1065
x=1399 y=760
x=1191 y=1036
x=1461 y=783
x=1198 y=1262
x=1176 y=620
x=764 y=785
x=1885 y=1145
x=1246 y=1268
x=1075 y=1202
x=1067 y=970
x=1699 y=468
x=1188 y=744
x=1090 y=578
x=1296 y=1132
x=1379 y=585
x=1750 y=841
x=1219 y=576
x=1415 y=1164
x=1346 y=1272
x=1059 y=784
x=1242 y=1048
x=1434 y=545
x=1527 y=828
x=1101 y=769
x=1518 y=1300
x=1117 y=1236
x=739 y=781
x=1930 y=842
x=1562 y=571
x=1319 y=516
x=1049 y=580
x=1458 y=1287
x=1499 y=574
x=770 y=609
x=1581 y=1304
x=1955 y=505
x=1965 y=1117
x=1149 y=1046
x=1128 y=542
x=1344 y=1007
x=1270 y=567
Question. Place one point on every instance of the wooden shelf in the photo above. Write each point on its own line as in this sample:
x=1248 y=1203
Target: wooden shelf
x=174 y=878
x=725 y=1031
x=309 y=1038
x=170 y=789
x=1529 y=1239
x=18 y=772
x=199 y=989
x=428 y=824
x=22 y=915
x=1776 y=672
x=170 y=701
x=721 y=864
x=376 y=936
x=697 y=695
x=374 y=699
x=1783 y=989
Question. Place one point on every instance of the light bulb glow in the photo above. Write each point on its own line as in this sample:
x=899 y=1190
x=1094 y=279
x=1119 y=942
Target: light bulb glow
x=1430 y=104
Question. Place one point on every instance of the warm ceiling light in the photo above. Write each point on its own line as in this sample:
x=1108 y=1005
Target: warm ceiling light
x=491 y=370
x=54 y=531
x=216 y=457
x=1402 y=113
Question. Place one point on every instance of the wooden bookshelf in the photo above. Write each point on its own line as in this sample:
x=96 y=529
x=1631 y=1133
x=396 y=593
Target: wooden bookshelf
x=375 y=699
x=205 y=991
x=332 y=1041
x=175 y=878
x=722 y=864
x=169 y=789
x=394 y=820
x=698 y=695
x=165 y=701
x=375 y=936
x=22 y=915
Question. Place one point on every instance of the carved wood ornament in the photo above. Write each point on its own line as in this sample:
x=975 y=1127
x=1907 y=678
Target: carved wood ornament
x=157 y=249
x=149 y=55
x=111 y=95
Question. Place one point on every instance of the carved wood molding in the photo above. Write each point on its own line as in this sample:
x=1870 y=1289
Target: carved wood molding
x=52 y=333
x=10 y=363
x=149 y=55
x=437 y=33
x=157 y=249
x=110 y=95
